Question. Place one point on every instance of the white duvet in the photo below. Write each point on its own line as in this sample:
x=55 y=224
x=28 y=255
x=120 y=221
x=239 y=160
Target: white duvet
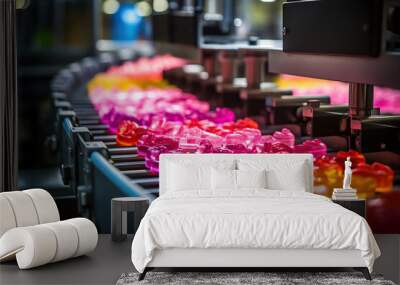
x=256 y=218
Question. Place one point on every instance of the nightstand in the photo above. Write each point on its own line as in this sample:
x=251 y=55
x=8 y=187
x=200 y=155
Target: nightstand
x=119 y=214
x=357 y=205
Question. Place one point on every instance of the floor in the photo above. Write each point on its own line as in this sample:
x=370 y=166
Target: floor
x=110 y=259
x=95 y=268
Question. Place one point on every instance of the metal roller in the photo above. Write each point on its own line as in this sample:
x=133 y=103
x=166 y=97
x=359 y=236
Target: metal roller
x=126 y=157
x=130 y=165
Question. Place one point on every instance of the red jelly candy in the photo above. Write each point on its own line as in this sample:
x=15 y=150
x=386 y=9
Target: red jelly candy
x=129 y=133
x=246 y=123
x=384 y=177
x=355 y=157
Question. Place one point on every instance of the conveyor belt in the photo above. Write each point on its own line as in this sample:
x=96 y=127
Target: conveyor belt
x=124 y=159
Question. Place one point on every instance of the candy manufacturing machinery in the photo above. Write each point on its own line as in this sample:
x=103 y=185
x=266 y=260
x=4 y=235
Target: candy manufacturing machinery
x=273 y=107
x=235 y=72
x=228 y=88
x=331 y=123
x=255 y=95
x=209 y=78
x=216 y=80
x=362 y=51
x=363 y=58
x=178 y=30
x=226 y=67
x=198 y=78
x=282 y=110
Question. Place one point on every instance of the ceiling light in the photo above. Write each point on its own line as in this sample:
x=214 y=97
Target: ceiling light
x=237 y=22
x=110 y=6
x=144 y=8
x=160 y=5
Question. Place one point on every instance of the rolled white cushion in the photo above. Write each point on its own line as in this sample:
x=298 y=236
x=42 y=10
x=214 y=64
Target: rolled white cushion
x=67 y=240
x=37 y=245
x=45 y=205
x=26 y=208
x=87 y=235
x=33 y=246
x=23 y=208
x=7 y=218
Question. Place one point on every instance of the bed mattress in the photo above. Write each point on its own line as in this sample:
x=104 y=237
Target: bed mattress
x=251 y=219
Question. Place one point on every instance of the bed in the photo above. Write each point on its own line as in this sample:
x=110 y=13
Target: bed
x=246 y=211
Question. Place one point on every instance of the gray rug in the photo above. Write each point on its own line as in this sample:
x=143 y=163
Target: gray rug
x=243 y=278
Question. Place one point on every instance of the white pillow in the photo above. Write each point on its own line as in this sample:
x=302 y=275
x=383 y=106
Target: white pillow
x=223 y=179
x=282 y=174
x=293 y=180
x=228 y=180
x=186 y=174
x=183 y=177
x=251 y=178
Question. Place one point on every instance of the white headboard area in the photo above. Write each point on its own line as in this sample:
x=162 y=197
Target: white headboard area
x=213 y=159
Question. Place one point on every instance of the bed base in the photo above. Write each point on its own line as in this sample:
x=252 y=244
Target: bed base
x=242 y=259
x=363 y=270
